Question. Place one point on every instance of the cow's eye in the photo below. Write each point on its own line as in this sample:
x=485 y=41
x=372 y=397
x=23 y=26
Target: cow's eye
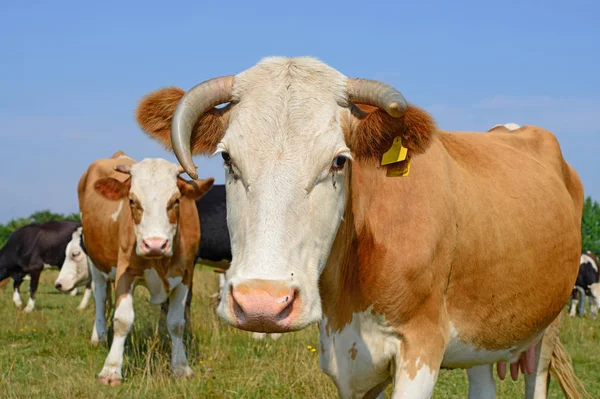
x=226 y=158
x=338 y=162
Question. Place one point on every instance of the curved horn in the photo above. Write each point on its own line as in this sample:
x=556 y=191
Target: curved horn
x=378 y=94
x=192 y=105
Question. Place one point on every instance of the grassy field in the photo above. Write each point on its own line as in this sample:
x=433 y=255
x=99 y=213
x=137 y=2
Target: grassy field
x=46 y=354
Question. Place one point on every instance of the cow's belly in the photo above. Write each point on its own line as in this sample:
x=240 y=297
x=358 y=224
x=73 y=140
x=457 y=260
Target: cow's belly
x=159 y=292
x=462 y=354
x=358 y=357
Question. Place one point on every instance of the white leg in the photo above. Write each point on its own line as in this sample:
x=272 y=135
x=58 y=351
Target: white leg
x=17 y=299
x=30 y=305
x=259 y=336
x=123 y=320
x=99 y=331
x=275 y=336
x=593 y=309
x=73 y=292
x=481 y=382
x=221 y=283
x=176 y=326
x=86 y=298
x=573 y=308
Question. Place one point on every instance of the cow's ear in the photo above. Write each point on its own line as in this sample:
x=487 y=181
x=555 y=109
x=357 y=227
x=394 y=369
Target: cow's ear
x=372 y=132
x=155 y=113
x=112 y=188
x=194 y=189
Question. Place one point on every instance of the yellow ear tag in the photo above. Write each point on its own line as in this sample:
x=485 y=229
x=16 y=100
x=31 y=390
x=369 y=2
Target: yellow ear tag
x=399 y=169
x=396 y=153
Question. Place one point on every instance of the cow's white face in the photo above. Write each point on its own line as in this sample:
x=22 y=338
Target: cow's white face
x=74 y=271
x=154 y=192
x=284 y=168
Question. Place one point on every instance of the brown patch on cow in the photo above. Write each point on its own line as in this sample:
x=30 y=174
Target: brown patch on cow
x=118 y=154
x=155 y=113
x=136 y=208
x=194 y=189
x=353 y=351
x=371 y=131
x=112 y=188
x=173 y=207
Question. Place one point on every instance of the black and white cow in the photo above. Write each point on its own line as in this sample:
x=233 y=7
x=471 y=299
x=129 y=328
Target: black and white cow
x=587 y=285
x=31 y=247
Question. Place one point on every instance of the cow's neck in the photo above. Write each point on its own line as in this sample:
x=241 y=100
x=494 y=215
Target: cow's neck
x=340 y=287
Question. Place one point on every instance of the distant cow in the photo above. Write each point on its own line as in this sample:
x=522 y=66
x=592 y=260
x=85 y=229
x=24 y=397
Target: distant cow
x=140 y=225
x=27 y=251
x=75 y=269
x=588 y=284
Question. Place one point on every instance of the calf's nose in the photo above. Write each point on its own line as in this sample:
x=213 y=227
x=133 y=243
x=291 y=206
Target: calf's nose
x=155 y=246
x=58 y=286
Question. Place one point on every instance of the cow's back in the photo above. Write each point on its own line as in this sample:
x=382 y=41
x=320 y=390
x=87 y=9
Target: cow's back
x=214 y=235
x=518 y=207
x=99 y=215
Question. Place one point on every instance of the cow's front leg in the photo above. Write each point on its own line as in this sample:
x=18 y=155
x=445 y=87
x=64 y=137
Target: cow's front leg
x=417 y=363
x=122 y=322
x=176 y=326
x=33 y=286
x=86 y=296
x=100 y=287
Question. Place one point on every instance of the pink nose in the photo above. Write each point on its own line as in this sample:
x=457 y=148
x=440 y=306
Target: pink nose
x=264 y=305
x=155 y=246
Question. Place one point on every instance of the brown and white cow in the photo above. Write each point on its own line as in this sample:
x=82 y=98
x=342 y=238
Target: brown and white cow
x=459 y=253
x=140 y=225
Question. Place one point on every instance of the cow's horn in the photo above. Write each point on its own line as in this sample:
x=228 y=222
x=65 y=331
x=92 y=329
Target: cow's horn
x=378 y=94
x=192 y=105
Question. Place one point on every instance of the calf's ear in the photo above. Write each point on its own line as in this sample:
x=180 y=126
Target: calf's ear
x=112 y=188
x=194 y=189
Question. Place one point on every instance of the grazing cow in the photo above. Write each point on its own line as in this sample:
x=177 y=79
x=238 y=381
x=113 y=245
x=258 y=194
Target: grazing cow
x=587 y=284
x=29 y=249
x=75 y=270
x=140 y=226
x=422 y=252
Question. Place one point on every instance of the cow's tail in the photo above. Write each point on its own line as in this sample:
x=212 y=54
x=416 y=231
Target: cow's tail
x=561 y=368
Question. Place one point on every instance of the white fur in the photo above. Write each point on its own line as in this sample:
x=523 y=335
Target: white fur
x=123 y=321
x=585 y=259
x=30 y=305
x=374 y=346
x=293 y=141
x=17 y=299
x=75 y=270
x=87 y=294
x=115 y=215
x=176 y=324
x=153 y=182
x=573 y=309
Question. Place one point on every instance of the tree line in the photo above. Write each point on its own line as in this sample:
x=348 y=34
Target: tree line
x=590 y=225
x=37 y=217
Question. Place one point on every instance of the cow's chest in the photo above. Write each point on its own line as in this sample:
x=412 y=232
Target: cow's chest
x=358 y=357
x=158 y=286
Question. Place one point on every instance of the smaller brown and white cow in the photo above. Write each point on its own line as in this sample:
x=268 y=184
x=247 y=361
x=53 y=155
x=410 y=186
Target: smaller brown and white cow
x=141 y=227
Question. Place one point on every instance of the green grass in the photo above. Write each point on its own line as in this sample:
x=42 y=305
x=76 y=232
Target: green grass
x=46 y=354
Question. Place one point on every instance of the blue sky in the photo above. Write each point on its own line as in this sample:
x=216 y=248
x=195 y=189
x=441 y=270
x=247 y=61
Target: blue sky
x=72 y=74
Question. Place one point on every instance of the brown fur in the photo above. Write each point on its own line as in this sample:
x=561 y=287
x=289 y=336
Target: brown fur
x=155 y=113
x=373 y=133
x=458 y=240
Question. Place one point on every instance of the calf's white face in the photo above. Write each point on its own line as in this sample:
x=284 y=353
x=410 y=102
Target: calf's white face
x=74 y=271
x=154 y=192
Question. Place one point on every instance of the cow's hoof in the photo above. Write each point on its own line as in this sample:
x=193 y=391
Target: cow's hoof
x=28 y=309
x=109 y=378
x=19 y=306
x=275 y=336
x=183 y=371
